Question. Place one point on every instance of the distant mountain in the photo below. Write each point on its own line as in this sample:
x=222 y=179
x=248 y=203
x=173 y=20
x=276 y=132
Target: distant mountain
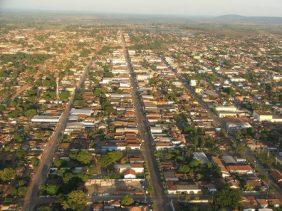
x=233 y=18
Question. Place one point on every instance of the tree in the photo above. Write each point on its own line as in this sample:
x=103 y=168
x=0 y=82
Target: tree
x=7 y=174
x=57 y=163
x=83 y=157
x=34 y=161
x=194 y=163
x=184 y=169
x=50 y=189
x=19 y=134
x=109 y=158
x=97 y=92
x=45 y=208
x=2 y=107
x=71 y=183
x=22 y=191
x=227 y=198
x=64 y=95
x=248 y=187
x=75 y=200
x=85 y=52
x=30 y=113
x=18 y=137
x=127 y=200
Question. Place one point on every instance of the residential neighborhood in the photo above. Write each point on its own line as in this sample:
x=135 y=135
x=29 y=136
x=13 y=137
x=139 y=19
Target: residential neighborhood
x=112 y=116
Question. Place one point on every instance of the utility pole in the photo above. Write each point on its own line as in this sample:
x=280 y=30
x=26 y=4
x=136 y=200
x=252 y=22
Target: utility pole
x=57 y=88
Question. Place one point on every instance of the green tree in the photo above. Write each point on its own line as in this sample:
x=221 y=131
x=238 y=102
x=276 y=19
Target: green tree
x=18 y=137
x=83 y=157
x=2 y=107
x=127 y=200
x=51 y=189
x=45 y=208
x=64 y=95
x=57 y=163
x=185 y=169
x=194 y=163
x=7 y=174
x=109 y=158
x=75 y=200
x=34 y=161
x=227 y=198
x=30 y=113
x=248 y=187
x=22 y=191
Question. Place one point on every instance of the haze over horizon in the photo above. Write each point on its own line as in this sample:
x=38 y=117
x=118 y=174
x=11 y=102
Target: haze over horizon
x=157 y=7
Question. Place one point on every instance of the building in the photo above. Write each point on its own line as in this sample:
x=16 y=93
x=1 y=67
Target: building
x=129 y=174
x=240 y=169
x=180 y=188
x=45 y=119
x=262 y=116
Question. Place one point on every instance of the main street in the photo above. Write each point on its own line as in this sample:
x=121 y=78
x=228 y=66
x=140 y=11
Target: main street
x=40 y=176
x=158 y=196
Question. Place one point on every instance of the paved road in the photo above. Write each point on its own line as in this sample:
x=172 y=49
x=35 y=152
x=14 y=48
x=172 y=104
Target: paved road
x=249 y=154
x=263 y=171
x=41 y=173
x=158 y=196
x=219 y=122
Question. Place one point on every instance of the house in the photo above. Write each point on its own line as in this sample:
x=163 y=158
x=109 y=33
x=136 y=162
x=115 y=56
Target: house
x=233 y=183
x=134 y=146
x=45 y=119
x=137 y=167
x=170 y=176
x=113 y=146
x=98 y=207
x=253 y=144
x=179 y=188
x=211 y=188
x=275 y=202
x=139 y=208
x=263 y=203
x=81 y=112
x=240 y=169
x=163 y=145
x=262 y=116
x=201 y=156
x=223 y=170
x=226 y=108
x=249 y=203
x=236 y=124
x=277 y=175
x=129 y=174
x=228 y=159
x=156 y=130
x=112 y=204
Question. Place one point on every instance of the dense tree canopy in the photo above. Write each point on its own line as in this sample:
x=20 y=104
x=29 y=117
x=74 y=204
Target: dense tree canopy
x=127 y=200
x=7 y=174
x=83 y=157
x=109 y=158
x=227 y=198
x=75 y=200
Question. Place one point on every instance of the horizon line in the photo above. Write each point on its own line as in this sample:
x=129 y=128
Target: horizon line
x=93 y=12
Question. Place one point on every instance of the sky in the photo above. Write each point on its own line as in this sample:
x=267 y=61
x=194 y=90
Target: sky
x=157 y=7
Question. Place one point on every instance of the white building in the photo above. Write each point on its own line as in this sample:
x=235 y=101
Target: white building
x=45 y=119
